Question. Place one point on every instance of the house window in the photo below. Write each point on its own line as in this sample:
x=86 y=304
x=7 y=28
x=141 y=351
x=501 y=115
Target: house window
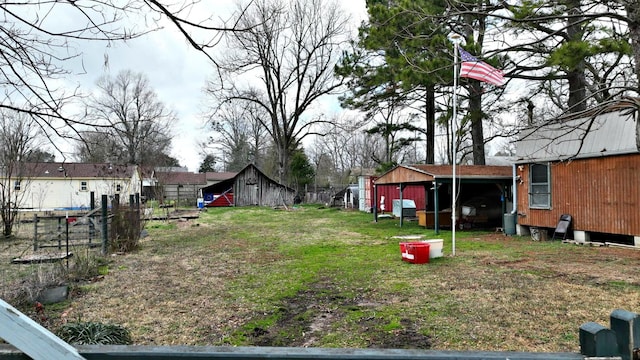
x=16 y=185
x=539 y=186
x=83 y=186
x=118 y=188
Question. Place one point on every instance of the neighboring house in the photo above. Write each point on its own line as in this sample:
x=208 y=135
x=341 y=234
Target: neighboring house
x=149 y=182
x=587 y=167
x=216 y=177
x=248 y=187
x=68 y=186
x=484 y=192
x=181 y=186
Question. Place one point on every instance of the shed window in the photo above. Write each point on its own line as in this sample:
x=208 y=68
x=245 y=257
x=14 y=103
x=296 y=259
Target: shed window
x=83 y=186
x=540 y=186
x=16 y=185
x=118 y=187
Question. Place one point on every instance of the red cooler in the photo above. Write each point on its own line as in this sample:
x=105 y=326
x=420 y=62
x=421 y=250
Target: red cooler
x=415 y=252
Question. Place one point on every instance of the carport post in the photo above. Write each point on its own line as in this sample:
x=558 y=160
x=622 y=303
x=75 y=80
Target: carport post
x=401 y=205
x=503 y=199
x=436 y=210
x=375 y=203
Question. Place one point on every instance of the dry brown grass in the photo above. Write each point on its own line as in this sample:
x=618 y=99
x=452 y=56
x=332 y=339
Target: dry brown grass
x=209 y=281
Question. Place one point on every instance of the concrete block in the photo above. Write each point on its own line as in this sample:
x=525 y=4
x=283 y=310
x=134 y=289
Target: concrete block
x=581 y=236
x=626 y=326
x=597 y=340
x=522 y=230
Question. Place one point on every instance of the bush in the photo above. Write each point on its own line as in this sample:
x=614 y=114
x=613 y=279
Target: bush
x=85 y=265
x=94 y=333
x=125 y=230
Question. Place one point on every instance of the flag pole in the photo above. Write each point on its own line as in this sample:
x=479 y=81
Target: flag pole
x=456 y=40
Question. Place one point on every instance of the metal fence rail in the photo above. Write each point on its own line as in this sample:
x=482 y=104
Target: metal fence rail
x=103 y=352
x=74 y=229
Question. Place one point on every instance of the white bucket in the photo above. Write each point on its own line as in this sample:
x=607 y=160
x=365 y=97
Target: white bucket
x=435 y=247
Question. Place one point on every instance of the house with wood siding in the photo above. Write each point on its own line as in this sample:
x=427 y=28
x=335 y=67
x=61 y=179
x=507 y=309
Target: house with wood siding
x=68 y=186
x=586 y=166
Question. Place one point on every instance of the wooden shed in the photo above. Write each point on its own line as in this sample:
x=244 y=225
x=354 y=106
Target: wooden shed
x=250 y=186
x=484 y=193
x=587 y=167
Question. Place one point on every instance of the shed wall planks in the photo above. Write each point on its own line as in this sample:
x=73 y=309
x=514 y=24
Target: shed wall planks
x=601 y=194
x=254 y=188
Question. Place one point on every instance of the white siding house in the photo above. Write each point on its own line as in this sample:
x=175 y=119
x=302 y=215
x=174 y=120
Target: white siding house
x=69 y=185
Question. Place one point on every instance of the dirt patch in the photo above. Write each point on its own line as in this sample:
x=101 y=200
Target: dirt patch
x=303 y=319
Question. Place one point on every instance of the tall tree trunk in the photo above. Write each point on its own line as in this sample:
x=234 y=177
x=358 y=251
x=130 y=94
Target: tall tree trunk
x=430 y=110
x=576 y=76
x=633 y=13
x=283 y=163
x=476 y=115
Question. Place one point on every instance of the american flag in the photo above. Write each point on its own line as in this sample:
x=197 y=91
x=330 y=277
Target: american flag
x=476 y=69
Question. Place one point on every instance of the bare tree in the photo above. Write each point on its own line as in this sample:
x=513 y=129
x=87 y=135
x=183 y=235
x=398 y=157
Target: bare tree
x=128 y=120
x=20 y=137
x=37 y=48
x=345 y=150
x=239 y=133
x=292 y=47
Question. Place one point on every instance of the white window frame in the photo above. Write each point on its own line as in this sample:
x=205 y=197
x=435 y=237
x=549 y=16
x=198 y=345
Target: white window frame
x=17 y=185
x=539 y=191
x=84 y=186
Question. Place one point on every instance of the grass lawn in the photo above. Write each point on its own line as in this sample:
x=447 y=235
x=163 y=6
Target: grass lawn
x=333 y=278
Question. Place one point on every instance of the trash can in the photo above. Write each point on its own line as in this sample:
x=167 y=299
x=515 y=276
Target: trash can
x=510 y=224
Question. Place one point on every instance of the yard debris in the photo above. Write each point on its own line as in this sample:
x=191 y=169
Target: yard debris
x=41 y=258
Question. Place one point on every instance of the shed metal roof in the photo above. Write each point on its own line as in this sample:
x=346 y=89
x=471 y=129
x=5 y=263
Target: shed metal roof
x=181 y=178
x=597 y=135
x=426 y=173
x=219 y=176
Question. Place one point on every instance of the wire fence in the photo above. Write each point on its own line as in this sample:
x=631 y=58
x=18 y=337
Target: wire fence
x=54 y=248
x=67 y=231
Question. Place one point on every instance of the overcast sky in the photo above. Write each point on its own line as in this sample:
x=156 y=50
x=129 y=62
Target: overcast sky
x=176 y=72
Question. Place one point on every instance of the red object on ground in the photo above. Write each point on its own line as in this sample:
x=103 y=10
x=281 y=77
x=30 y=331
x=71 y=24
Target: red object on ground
x=415 y=252
x=222 y=200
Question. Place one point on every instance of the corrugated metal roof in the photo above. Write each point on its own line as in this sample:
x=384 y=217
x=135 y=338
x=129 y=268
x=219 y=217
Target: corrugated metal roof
x=425 y=173
x=606 y=134
x=181 y=178
x=219 y=176
x=466 y=171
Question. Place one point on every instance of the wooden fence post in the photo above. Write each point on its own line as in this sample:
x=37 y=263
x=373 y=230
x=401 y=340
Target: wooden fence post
x=626 y=326
x=105 y=225
x=35 y=232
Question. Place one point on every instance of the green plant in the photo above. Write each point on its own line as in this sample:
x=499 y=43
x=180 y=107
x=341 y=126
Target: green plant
x=94 y=333
x=85 y=265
